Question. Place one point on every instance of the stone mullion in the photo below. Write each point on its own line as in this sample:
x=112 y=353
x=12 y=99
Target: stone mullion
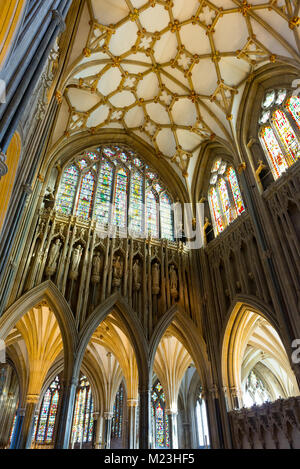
x=150 y=311
x=45 y=253
x=146 y=303
x=68 y=259
x=86 y=275
x=39 y=256
x=62 y=263
x=130 y=280
x=105 y=270
x=110 y=268
x=164 y=276
x=127 y=268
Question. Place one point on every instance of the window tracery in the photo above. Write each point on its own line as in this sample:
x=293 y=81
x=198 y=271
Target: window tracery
x=279 y=130
x=256 y=391
x=224 y=195
x=113 y=186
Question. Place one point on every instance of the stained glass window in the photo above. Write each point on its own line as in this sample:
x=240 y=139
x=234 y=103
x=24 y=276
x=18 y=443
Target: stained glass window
x=152 y=215
x=216 y=210
x=82 y=430
x=44 y=424
x=67 y=190
x=224 y=196
x=293 y=106
x=136 y=202
x=120 y=206
x=117 y=421
x=287 y=134
x=275 y=156
x=160 y=423
x=235 y=189
x=104 y=192
x=85 y=200
x=279 y=139
x=113 y=188
x=166 y=217
x=202 y=424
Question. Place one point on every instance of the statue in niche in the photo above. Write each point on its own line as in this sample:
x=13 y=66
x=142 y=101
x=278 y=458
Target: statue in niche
x=49 y=199
x=75 y=261
x=117 y=271
x=173 y=281
x=96 y=268
x=53 y=257
x=155 y=278
x=137 y=275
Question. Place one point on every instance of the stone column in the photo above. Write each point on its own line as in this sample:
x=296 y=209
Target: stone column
x=145 y=420
x=132 y=405
x=107 y=429
x=172 y=417
x=98 y=431
x=65 y=415
x=17 y=430
x=28 y=422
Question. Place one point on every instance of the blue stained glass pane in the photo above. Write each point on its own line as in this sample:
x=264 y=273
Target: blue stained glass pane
x=136 y=203
x=82 y=430
x=68 y=186
x=151 y=215
x=84 y=206
x=104 y=192
x=120 y=207
x=166 y=220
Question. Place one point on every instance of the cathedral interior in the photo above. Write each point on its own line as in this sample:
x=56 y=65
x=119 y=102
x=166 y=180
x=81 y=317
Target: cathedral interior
x=149 y=224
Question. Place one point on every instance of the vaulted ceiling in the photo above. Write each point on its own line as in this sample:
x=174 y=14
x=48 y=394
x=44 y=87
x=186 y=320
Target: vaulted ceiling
x=172 y=72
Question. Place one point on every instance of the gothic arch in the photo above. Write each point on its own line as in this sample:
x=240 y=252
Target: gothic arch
x=45 y=292
x=132 y=326
x=193 y=341
x=268 y=76
x=238 y=328
x=64 y=149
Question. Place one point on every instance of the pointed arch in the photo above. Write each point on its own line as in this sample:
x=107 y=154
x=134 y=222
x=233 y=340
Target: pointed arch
x=240 y=325
x=189 y=336
x=48 y=292
x=131 y=324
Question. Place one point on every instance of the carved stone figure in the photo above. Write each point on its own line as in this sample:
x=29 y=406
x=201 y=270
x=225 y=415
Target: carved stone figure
x=53 y=257
x=155 y=278
x=137 y=277
x=75 y=261
x=117 y=271
x=49 y=199
x=96 y=268
x=173 y=281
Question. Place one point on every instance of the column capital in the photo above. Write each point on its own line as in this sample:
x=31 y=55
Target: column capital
x=108 y=415
x=171 y=411
x=132 y=402
x=32 y=398
x=59 y=19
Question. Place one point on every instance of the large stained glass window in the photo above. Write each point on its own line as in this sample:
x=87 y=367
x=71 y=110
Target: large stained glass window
x=202 y=424
x=113 y=186
x=117 y=421
x=279 y=126
x=45 y=423
x=160 y=423
x=82 y=430
x=84 y=206
x=224 y=196
x=67 y=190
